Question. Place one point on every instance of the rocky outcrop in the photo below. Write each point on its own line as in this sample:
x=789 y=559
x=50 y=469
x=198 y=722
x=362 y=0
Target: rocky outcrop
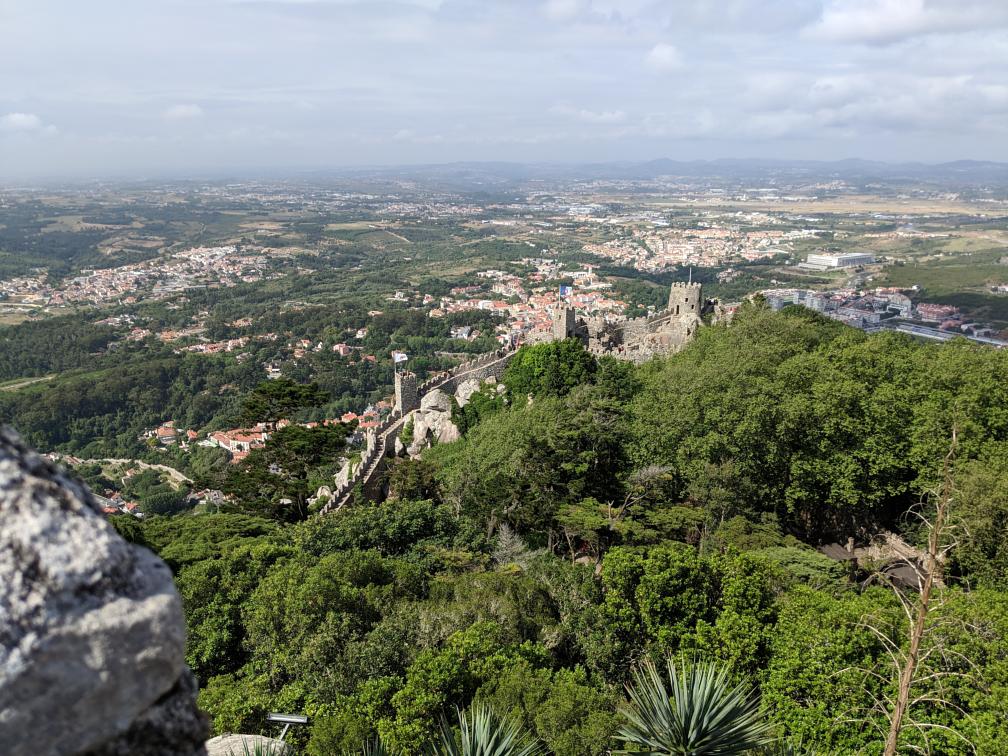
x=436 y=401
x=466 y=390
x=323 y=494
x=92 y=637
x=343 y=476
x=432 y=422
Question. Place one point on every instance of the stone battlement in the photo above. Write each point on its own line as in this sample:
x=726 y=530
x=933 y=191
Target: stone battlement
x=639 y=339
x=381 y=440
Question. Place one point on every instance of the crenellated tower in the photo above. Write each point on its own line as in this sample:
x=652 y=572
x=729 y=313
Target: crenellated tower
x=406 y=392
x=564 y=323
x=685 y=299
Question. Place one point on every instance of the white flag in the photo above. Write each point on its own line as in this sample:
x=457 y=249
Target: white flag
x=398 y=357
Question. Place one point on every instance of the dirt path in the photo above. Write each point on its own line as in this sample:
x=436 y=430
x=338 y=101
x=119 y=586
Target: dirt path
x=177 y=477
x=27 y=382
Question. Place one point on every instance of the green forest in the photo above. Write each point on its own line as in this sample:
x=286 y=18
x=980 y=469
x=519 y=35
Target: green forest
x=603 y=520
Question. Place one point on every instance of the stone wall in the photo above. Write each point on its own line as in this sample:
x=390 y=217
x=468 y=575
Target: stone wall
x=406 y=397
x=368 y=474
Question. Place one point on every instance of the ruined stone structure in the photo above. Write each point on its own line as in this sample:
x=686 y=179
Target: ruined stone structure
x=639 y=339
x=380 y=441
x=406 y=397
x=564 y=324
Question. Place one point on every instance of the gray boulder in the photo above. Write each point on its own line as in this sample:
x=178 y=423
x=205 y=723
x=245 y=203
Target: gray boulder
x=432 y=424
x=92 y=637
x=447 y=431
x=465 y=391
x=436 y=400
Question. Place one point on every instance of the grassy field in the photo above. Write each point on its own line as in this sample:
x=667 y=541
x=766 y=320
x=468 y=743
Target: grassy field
x=963 y=280
x=351 y=226
x=13 y=318
x=840 y=205
x=971 y=272
x=986 y=308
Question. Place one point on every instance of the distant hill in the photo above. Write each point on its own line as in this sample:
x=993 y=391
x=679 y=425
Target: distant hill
x=493 y=176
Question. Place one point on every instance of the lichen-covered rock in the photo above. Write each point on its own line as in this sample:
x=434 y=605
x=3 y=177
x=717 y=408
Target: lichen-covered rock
x=343 y=476
x=432 y=424
x=448 y=432
x=92 y=638
x=466 y=390
x=322 y=493
x=436 y=400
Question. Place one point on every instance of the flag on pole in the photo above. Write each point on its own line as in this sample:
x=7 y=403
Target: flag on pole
x=565 y=291
x=398 y=357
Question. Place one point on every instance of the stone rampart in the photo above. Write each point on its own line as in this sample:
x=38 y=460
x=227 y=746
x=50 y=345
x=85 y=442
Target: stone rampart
x=367 y=473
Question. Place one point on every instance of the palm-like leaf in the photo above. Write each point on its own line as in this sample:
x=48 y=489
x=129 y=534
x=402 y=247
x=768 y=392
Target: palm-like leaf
x=482 y=733
x=694 y=711
x=374 y=747
x=261 y=748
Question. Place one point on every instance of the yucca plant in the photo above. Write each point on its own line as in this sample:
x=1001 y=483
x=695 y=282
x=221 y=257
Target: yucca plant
x=483 y=733
x=262 y=748
x=374 y=747
x=694 y=710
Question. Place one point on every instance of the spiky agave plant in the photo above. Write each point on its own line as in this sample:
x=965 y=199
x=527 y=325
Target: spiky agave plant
x=373 y=747
x=694 y=711
x=262 y=748
x=483 y=733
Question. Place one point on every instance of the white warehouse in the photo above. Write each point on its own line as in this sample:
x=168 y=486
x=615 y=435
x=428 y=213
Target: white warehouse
x=846 y=260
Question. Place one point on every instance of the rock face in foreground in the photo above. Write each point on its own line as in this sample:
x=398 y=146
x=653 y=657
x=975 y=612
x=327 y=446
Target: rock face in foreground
x=92 y=637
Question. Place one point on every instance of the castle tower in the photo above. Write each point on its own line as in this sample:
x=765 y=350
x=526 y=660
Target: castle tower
x=685 y=299
x=564 y=323
x=406 y=398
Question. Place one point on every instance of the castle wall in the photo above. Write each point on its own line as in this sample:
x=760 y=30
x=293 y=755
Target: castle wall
x=564 y=323
x=685 y=299
x=406 y=397
x=369 y=474
x=639 y=339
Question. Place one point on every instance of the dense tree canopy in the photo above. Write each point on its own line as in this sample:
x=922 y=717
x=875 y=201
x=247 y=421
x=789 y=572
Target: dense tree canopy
x=598 y=515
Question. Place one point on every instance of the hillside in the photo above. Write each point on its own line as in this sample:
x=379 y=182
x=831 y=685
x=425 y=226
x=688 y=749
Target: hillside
x=607 y=514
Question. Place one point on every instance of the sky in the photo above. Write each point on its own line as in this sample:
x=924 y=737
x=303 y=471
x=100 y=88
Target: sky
x=148 y=88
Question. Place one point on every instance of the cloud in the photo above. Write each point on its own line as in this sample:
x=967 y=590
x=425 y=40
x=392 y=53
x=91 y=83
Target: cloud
x=589 y=116
x=563 y=10
x=183 y=112
x=20 y=122
x=431 y=5
x=664 y=57
x=887 y=21
x=25 y=123
x=479 y=79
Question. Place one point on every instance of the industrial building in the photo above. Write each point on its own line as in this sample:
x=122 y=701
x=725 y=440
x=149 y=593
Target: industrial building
x=827 y=261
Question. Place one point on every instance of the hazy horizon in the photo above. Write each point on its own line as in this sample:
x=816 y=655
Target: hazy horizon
x=119 y=89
